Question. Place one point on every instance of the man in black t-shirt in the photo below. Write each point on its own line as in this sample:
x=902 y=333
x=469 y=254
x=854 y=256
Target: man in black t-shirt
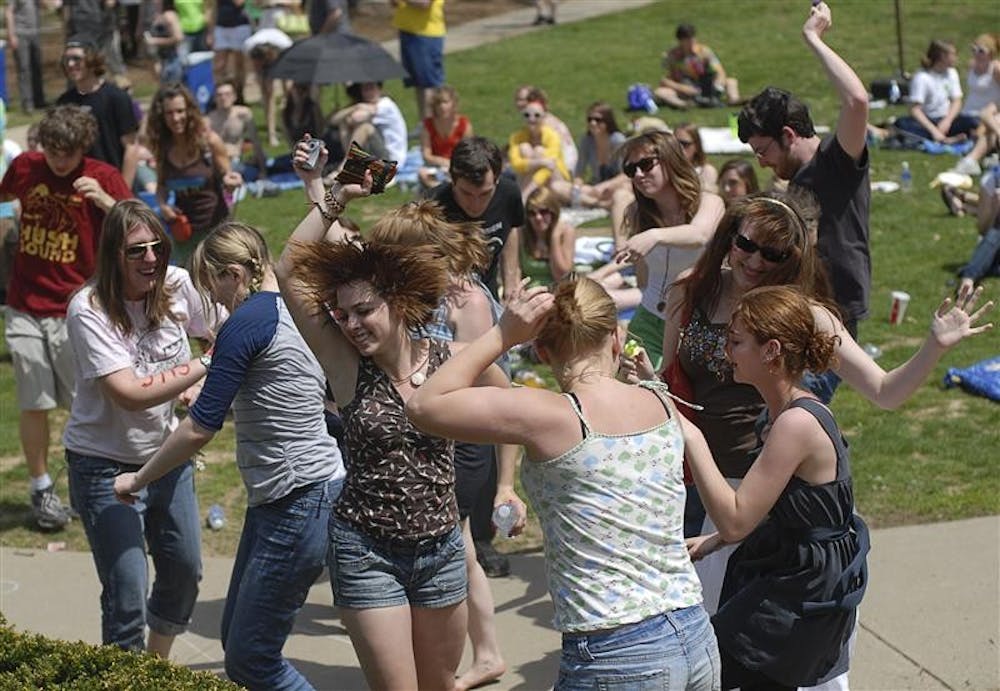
x=112 y=107
x=478 y=193
x=778 y=128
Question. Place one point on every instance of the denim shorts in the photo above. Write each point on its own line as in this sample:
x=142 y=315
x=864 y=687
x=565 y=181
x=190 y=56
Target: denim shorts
x=366 y=572
x=422 y=58
x=675 y=650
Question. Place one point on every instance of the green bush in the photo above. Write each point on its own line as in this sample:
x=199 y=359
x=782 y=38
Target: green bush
x=31 y=661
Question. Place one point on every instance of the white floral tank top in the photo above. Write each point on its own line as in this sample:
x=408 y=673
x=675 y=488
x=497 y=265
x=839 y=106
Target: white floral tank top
x=612 y=514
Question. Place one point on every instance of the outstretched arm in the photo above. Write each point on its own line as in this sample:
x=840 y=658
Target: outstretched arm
x=697 y=233
x=951 y=324
x=852 y=126
x=183 y=443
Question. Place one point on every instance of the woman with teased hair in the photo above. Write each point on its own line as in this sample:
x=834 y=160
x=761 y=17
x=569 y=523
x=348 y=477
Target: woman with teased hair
x=466 y=311
x=397 y=559
x=603 y=471
x=669 y=222
x=291 y=467
x=793 y=586
x=191 y=162
x=129 y=327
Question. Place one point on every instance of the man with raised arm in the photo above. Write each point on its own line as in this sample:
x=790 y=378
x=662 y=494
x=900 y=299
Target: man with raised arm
x=780 y=131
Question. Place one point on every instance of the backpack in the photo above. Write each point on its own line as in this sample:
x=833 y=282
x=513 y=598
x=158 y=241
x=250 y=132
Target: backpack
x=640 y=97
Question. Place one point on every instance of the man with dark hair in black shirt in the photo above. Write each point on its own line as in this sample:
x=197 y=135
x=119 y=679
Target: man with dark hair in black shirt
x=478 y=193
x=116 y=145
x=778 y=128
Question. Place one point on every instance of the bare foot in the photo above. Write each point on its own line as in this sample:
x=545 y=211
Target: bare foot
x=480 y=674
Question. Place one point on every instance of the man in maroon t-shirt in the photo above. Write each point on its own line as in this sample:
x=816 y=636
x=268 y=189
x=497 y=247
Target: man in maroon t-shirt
x=63 y=198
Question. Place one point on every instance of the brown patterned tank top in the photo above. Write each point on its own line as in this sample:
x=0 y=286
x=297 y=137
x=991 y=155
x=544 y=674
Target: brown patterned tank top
x=400 y=484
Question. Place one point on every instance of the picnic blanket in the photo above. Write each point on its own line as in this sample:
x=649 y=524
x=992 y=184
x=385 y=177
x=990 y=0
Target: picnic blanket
x=982 y=378
x=722 y=140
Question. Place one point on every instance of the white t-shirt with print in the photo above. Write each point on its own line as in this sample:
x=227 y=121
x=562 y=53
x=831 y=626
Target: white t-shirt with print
x=97 y=425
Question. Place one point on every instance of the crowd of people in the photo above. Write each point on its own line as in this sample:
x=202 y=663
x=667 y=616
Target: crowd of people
x=694 y=494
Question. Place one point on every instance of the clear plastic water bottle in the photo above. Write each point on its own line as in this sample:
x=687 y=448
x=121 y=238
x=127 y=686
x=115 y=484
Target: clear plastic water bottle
x=574 y=197
x=894 y=93
x=906 y=178
x=216 y=517
x=505 y=517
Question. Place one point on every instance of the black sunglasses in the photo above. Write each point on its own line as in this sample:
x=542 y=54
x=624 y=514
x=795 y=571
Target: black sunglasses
x=643 y=164
x=137 y=252
x=595 y=119
x=771 y=254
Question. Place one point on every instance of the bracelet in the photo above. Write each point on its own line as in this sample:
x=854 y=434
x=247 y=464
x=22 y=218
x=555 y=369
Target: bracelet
x=334 y=204
x=327 y=216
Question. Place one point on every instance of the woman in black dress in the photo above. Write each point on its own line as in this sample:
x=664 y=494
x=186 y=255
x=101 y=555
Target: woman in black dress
x=792 y=588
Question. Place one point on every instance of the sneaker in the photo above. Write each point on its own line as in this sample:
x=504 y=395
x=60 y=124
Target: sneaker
x=48 y=511
x=966 y=166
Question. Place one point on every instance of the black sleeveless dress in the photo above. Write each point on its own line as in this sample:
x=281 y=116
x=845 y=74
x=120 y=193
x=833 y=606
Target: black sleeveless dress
x=789 y=600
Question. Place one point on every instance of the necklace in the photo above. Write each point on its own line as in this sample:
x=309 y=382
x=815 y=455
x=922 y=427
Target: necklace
x=416 y=377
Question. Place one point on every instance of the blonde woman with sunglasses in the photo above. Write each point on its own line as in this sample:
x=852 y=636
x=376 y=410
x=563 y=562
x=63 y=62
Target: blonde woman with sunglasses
x=535 y=151
x=129 y=328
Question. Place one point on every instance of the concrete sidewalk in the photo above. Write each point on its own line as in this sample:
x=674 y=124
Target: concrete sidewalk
x=930 y=619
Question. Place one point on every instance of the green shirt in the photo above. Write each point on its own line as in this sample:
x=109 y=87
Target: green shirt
x=191 y=14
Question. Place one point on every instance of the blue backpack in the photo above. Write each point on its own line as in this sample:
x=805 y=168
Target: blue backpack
x=982 y=378
x=640 y=97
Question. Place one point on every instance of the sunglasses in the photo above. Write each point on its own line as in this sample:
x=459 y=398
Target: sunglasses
x=643 y=164
x=771 y=254
x=532 y=115
x=978 y=49
x=138 y=252
x=595 y=119
x=539 y=212
x=685 y=142
x=72 y=59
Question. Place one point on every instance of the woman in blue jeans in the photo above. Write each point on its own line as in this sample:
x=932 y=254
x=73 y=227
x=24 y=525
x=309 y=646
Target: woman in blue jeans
x=129 y=327
x=292 y=469
x=603 y=470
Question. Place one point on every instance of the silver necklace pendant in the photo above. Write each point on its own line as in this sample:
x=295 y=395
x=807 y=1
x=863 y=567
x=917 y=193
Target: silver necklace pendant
x=417 y=379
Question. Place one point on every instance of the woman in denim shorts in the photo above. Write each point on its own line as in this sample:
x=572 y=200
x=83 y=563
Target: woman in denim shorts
x=396 y=559
x=261 y=369
x=129 y=327
x=603 y=470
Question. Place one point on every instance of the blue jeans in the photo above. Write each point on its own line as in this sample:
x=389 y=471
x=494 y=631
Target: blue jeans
x=281 y=554
x=985 y=258
x=672 y=651
x=164 y=518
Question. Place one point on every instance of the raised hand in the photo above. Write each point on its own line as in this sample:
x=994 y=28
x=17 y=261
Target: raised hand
x=819 y=20
x=954 y=321
x=525 y=315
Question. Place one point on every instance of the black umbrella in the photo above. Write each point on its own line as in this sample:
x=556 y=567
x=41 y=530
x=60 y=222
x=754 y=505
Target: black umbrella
x=335 y=59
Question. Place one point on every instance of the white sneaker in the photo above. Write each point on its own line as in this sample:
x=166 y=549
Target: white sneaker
x=966 y=166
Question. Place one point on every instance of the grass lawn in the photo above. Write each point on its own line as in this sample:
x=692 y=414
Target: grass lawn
x=933 y=459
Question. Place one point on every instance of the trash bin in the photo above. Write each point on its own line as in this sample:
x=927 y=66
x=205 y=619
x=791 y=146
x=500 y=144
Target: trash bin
x=198 y=77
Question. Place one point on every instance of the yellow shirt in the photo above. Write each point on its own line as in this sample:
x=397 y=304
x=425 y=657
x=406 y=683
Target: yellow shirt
x=553 y=149
x=422 y=21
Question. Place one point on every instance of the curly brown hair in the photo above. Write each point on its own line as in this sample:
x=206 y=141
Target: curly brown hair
x=160 y=137
x=67 y=129
x=411 y=279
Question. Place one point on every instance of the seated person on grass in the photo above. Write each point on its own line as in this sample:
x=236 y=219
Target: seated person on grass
x=374 y=121
x=235 y=125
x=694 y=75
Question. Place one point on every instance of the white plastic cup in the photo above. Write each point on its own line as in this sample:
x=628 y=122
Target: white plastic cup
x=897 y=308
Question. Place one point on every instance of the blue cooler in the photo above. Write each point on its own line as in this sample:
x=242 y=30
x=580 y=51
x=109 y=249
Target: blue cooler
x=198 y=77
